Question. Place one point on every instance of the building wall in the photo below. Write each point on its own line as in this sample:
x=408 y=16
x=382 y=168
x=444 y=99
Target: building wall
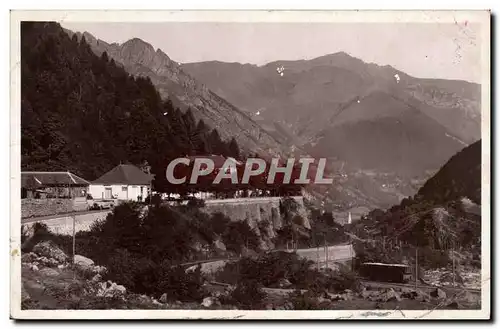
x=121 y=192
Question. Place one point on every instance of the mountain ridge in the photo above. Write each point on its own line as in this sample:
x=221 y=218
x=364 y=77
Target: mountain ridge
x=142 y=59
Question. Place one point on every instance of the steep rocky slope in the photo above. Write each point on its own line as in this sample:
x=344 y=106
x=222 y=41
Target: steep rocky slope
x=141 y=59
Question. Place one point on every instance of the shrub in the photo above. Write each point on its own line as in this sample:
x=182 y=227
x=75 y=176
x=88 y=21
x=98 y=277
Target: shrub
x=248 y=295
x=303 y=301
x=238 y=235
x=196 y=203
x=180 y=285
x=219 y=222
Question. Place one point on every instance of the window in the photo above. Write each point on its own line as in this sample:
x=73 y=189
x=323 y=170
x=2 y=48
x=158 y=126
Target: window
x=124 y=189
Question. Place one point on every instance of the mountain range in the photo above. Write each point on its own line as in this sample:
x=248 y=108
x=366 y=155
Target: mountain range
x=383 y=130
x=141 y=59
x=324 y=102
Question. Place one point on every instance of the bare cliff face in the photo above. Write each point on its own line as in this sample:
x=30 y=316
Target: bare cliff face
x=141 y=59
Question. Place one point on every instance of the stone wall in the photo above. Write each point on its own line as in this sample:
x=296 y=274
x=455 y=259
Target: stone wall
x=255 y=211
x=47 y=207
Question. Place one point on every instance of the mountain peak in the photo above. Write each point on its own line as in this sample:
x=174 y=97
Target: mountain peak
x=136 y=43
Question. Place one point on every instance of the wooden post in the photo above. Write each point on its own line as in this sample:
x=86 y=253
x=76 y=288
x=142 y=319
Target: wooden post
x=74 y=238
x=317 y=256
x=453 y=260
x=326 y=252
x=416 y=266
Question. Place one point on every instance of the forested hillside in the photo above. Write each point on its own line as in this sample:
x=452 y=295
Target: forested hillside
x=459 y=177
x=85 y=114
x=445 y=212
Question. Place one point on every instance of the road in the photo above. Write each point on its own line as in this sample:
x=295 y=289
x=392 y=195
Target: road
x=335 y=253
x=49 y=217
x=63 y=224
x=424 y=287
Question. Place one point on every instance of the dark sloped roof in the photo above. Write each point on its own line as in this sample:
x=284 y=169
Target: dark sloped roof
x=218 y=160
x=124 y=174
x=33 y=179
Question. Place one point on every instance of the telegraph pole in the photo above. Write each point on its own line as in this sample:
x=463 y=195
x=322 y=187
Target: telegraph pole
x=453 y=260
x=326 y=253
x=74 y=245
x=416 y=266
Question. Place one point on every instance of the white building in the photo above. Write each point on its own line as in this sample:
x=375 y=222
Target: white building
x=123 y=182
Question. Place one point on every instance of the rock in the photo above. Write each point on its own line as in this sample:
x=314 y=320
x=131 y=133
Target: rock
x=219 y=245
x=34 y=268
x=322 y=300
x=111 y=289
x=438 y=293
x=49 y=271
x=164 y=298
x=83 y=261
x=24 y=294
x=120 y=288
x=208 y=301
x=62 y=266
x=50 y=250
x=28 y=257
x=389 y=295
x=455 y=305
x=284 y=283
x=99 y=269
x=97 y=278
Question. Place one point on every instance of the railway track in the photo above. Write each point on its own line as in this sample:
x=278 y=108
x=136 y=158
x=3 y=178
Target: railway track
x=427 y=287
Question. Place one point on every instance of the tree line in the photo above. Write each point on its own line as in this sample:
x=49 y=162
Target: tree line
x=84 y=113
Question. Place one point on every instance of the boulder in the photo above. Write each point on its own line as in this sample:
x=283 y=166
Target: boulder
x=28 y=257
x=98 y=269
x=111 y=289
x=438 y=293
x=415 y=294
x=49 y=271
x=284 y=283
x=208 y=301
x=50 y=250
x=24 y=294
x=389 y=295
x=163 y=298
x=34 y=268
x=219 y=245
x=83 y=261
x=96 y=278
x=455 y=305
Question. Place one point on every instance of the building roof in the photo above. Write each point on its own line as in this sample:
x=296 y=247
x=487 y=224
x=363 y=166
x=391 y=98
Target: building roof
x=34 y=179
x=125 y=174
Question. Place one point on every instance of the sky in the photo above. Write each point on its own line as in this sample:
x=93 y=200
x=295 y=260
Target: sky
x=424 y=50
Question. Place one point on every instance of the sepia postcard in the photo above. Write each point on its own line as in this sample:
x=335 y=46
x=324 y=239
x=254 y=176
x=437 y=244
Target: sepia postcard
x=250 y=165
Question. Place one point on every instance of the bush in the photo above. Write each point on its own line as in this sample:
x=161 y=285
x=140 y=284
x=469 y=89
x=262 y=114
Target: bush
x=196 y=203
x=248 y=295
x=180 y=285
x=238 y=235
x=303 y=301
x=219 y=222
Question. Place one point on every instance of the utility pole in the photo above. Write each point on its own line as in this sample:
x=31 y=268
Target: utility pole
x=74 y=245
x=416 y=266
x=453 y=260
x=74 y=238
x=326 y=253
